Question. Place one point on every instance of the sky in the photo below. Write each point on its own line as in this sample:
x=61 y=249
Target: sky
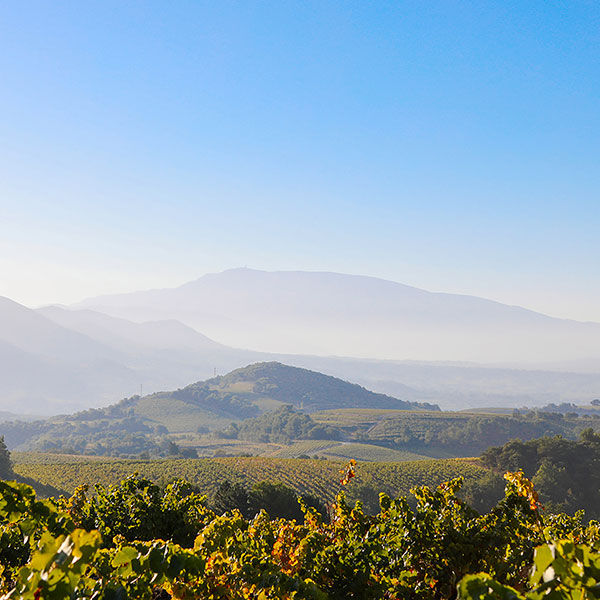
x=453 y=146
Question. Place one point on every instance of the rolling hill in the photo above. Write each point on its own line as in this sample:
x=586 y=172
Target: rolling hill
x=271 y=409
x=138 y=424
x=258 y=388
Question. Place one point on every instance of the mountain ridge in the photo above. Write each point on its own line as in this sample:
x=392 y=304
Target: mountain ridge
x=207 y=276
x=233 y=270
x=332 y=314
x=115 y=331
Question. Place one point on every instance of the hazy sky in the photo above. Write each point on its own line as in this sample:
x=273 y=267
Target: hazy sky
x=454 y=146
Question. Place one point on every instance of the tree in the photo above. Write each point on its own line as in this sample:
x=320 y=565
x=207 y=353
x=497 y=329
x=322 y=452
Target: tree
x=231 y=496
x=277 y=499
x=589 y=435
x=281 y=501
x=6 y=467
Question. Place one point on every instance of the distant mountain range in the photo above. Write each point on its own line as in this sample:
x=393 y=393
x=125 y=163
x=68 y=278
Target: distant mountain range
x=59 y=359
x=345 y=315
x=56 y=360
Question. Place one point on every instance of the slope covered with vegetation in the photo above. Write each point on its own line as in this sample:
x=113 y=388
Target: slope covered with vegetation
x=140 y=425
x=451 y=433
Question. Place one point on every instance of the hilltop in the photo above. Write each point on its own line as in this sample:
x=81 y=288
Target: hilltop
x=250 y=391
x=267 y=384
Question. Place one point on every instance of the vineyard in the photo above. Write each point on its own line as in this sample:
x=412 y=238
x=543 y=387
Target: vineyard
x=447 y=434
x=135 y=540
x=355 y=417
x=346 y=451
x=305 y=476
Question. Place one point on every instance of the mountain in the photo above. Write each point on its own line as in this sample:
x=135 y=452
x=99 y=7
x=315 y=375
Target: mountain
x=47 y=368
x=32 y=333
x=57 y=360
x=127 y=336
x=345 y=315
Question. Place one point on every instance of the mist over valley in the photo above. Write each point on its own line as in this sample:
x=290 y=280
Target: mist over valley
x=456 y=351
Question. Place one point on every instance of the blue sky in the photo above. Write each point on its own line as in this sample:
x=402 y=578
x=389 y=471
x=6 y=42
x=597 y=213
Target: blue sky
x=454 y=146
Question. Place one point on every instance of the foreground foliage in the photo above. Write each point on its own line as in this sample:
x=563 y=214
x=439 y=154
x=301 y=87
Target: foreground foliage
x=101 y=547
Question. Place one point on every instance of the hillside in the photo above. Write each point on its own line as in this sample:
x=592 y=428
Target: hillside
x=252 y=390
x=451 y=433
x=345 y=315
x=142 y=424
x=257 y=411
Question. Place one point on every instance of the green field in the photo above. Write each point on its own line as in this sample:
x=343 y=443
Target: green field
x=176 y=415
x=371 y=453
x=209 y=447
